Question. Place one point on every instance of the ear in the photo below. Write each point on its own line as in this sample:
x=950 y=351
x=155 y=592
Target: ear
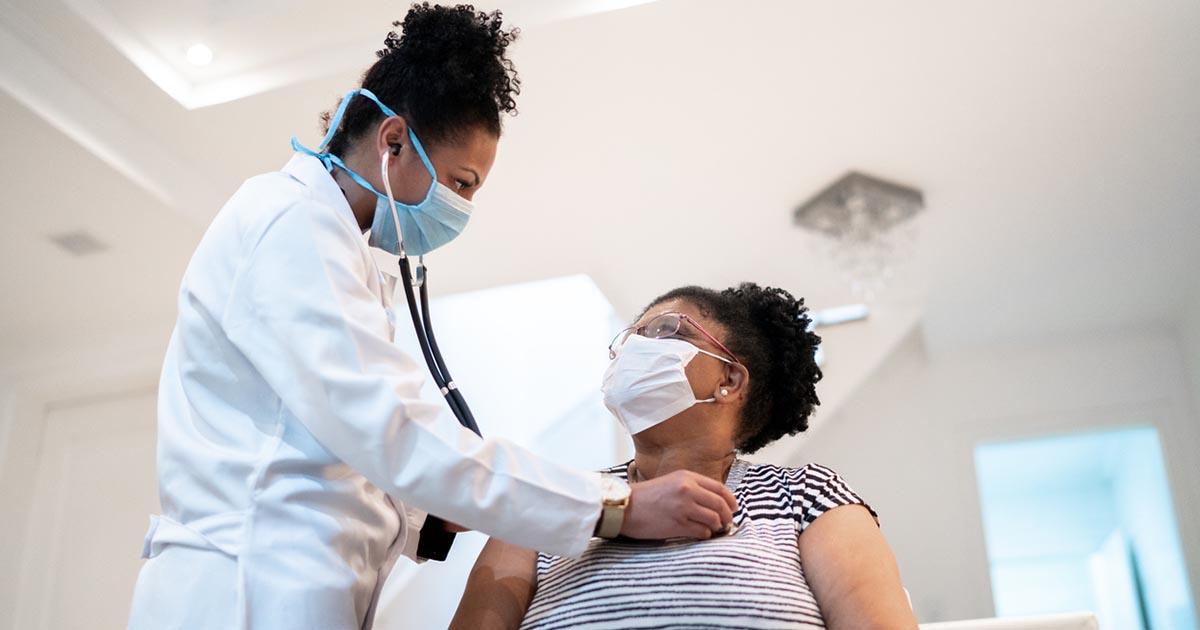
x=734 y=386
x=392 y=135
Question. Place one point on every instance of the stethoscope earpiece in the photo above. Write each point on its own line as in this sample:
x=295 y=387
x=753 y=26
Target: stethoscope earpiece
x=395 y=149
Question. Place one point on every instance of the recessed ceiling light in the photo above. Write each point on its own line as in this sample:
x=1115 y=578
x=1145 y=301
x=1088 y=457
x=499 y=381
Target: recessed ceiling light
x=199 y=55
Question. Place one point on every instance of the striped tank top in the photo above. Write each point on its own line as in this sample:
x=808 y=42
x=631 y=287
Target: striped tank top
x=750 y=579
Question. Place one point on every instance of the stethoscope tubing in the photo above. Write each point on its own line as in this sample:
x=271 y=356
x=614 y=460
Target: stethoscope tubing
x=423 y=327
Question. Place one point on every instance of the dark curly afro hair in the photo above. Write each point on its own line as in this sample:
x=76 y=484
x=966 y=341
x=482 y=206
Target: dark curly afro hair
x=767 y=329
x=445 y=71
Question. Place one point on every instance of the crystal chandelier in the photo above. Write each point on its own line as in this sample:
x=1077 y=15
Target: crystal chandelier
x=865 y=226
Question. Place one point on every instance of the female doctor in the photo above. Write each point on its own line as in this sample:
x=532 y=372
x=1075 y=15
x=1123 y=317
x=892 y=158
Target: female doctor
x=296 y=461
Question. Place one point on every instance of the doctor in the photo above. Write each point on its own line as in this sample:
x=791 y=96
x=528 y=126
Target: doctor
x=296 y=460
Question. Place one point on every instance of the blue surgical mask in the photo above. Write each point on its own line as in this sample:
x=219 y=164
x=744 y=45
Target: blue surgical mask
x=399 y=227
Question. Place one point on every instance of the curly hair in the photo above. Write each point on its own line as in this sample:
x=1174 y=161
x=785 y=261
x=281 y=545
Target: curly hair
x=445 y=71
x=768 y=330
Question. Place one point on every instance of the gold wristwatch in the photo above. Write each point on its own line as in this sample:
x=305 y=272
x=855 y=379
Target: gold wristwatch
x=614 y=498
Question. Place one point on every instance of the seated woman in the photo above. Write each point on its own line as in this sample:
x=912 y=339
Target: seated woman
x=702 y=377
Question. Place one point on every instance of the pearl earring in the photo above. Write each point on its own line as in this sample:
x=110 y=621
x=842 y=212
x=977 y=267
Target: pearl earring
x=724 y=392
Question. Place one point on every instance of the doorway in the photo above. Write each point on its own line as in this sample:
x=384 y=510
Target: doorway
x=1084 y=522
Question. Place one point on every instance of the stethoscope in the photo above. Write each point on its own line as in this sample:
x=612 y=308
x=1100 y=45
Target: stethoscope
x=423 y=327
x=422 y=322
x=435 y=541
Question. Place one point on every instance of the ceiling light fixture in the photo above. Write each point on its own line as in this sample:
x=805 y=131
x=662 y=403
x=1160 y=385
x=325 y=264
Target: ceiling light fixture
x=199 y=55
x=865 y=225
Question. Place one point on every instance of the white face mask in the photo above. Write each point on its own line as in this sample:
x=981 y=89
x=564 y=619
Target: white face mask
x=646 y=384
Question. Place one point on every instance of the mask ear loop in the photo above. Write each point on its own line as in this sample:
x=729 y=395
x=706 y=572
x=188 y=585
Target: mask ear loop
x=724 y=392
x=385 y=159
x=737 y=367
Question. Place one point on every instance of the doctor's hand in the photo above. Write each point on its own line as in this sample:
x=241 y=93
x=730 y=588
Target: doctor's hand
x=678 y=504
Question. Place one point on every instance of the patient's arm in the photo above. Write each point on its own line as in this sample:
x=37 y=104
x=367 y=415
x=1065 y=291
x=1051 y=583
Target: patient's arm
x=499 y=589
x=852 y=571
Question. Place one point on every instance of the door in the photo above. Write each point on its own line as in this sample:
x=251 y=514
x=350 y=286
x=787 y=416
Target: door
x=95 y=488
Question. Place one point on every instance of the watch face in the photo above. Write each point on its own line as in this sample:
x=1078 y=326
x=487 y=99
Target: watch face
x=613 y=490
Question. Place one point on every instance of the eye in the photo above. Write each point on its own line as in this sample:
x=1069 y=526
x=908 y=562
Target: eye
x=460 y=185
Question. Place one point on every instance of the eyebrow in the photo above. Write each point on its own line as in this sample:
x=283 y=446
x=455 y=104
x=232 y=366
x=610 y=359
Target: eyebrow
x=472 y=171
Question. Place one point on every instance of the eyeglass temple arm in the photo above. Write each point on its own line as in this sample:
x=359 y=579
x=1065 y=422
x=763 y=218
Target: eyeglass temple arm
x=710 y=337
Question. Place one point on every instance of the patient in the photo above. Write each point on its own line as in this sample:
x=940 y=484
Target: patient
x=702 y=378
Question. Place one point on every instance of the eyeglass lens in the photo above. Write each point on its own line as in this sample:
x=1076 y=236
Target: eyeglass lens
x=664 y=325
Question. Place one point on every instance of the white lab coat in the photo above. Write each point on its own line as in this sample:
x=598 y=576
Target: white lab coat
x=295 y=458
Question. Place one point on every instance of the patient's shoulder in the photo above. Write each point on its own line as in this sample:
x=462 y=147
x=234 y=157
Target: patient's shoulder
x=811 y=472
x=815 y=489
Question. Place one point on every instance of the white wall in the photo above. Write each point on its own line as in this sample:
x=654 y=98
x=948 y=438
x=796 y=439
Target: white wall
x=1190 y=332
x=93 y=492
x=31 y=401
x=7 y=407
x=20 y=442
x=906 y=440
x=8 y=513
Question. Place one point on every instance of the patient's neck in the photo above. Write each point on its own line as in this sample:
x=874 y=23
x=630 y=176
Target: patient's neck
x=700 y=454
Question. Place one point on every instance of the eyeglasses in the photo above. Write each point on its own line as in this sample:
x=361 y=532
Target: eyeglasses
x=662 y=327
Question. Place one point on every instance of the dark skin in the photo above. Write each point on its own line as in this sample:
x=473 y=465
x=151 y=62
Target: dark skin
x=462 y=165
x=847 y=561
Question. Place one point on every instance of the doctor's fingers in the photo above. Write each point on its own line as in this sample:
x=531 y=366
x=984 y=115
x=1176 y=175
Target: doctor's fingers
x=697 y=490
x=702 y=523
x=717 y=507
x=718 y=488
x=715 y=503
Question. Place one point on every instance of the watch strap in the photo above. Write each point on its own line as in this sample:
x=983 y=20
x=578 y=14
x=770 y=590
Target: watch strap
x=611 y=519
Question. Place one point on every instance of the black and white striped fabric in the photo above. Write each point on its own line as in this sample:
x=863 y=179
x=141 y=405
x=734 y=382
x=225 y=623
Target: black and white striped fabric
x=752 y=579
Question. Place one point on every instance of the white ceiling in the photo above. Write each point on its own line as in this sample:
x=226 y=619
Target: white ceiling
x=1057 y=144
x=265 y=44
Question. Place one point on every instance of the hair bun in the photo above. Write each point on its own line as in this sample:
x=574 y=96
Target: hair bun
x=428 y=33
x=444 y=69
